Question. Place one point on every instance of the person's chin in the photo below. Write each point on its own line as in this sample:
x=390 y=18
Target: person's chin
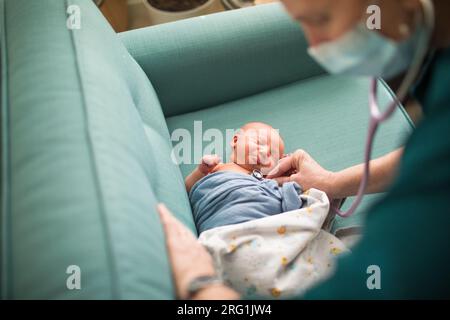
x=265 y=169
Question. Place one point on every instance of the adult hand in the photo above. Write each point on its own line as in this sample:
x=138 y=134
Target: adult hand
x=189 y=259
x=303 y=169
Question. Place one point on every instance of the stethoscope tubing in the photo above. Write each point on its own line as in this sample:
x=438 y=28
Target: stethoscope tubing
x=376 y=118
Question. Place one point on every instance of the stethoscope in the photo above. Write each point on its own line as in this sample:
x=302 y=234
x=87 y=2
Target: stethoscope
x=377 y=117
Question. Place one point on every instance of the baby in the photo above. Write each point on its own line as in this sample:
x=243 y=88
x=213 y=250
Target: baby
x=236 y=192
x=266 y=240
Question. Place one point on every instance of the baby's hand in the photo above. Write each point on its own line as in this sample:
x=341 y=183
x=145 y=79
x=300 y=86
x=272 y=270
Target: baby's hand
x=209 y=162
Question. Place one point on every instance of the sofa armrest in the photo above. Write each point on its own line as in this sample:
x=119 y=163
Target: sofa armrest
x=201 y=62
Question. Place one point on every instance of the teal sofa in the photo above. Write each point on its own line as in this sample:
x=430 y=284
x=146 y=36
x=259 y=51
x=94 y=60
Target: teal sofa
x=86 y=123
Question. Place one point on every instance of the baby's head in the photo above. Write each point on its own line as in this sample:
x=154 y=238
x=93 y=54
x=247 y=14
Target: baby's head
x=257 y=146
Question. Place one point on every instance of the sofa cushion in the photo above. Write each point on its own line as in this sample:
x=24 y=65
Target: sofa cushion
x=85 y=158
x=332 y=127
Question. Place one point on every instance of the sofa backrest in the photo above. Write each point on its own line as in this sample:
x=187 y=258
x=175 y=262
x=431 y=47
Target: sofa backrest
x=85 y=158
x=217 y=58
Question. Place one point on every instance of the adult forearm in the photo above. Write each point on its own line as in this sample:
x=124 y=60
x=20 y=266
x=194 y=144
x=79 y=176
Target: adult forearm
x=382 y=172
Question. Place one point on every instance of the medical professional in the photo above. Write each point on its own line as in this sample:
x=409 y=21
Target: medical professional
x=407 y=233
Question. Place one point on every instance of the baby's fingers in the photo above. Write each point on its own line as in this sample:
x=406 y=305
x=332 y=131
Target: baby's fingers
x=211 y=160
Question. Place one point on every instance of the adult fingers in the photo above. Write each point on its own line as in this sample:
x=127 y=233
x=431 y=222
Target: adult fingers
x=282 y=180
x=283 y=166
x=172 y=227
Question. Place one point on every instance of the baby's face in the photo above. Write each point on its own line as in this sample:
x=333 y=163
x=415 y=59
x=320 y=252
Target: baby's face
x=257 y=146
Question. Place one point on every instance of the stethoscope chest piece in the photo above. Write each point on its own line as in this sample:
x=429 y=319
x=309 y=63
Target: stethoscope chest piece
x=257 y=174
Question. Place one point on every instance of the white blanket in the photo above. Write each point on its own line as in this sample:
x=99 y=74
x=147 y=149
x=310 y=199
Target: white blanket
x=276 y=256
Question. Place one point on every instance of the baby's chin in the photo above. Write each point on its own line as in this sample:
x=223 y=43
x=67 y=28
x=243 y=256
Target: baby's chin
x=265 y=170
x=261 y=168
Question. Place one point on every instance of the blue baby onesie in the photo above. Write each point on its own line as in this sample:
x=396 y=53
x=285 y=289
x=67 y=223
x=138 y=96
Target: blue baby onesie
x=224 y=198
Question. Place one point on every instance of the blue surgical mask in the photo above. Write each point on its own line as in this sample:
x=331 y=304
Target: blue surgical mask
x=363 y=52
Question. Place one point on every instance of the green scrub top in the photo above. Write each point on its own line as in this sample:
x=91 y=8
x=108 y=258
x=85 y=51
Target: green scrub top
x=407 y=233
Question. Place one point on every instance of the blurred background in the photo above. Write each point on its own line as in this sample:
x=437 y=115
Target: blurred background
x=126 y=15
